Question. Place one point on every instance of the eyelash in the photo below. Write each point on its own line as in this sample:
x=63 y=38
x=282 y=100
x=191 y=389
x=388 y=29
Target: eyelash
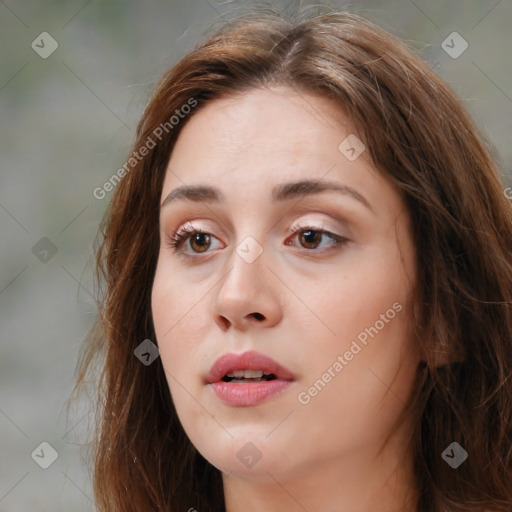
x=176 y=240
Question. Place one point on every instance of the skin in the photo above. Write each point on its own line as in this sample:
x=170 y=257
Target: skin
x=343 y=449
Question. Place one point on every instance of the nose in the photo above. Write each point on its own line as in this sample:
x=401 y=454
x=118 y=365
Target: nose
x=247 y=297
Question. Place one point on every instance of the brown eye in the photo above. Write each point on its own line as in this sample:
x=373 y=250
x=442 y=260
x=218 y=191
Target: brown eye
x=310 y=238
x=189 y=242
x=199 y=242
x=315 y=240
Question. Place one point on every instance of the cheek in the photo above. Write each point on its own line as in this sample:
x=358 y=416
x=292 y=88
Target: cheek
x=369 y=306
x=180 y=320
x=162 y=305
x=168 y=307
x=179 y=323
x=170 y=300
x=349 y=302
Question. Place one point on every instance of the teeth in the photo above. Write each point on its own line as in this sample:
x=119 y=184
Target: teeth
x=246 y=374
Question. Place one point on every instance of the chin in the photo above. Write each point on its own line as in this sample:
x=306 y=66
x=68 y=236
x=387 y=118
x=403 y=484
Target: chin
x=248 y=454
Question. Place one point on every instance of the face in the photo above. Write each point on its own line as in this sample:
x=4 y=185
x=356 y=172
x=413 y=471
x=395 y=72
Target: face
x=296 y=255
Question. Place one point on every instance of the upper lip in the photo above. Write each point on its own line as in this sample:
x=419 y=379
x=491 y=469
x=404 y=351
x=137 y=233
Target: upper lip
x=251 y=360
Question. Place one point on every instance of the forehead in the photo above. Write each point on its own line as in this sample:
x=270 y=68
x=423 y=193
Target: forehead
x=261 y=134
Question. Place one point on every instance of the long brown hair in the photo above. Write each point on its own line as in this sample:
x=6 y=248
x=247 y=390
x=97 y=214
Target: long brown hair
x=422 y=140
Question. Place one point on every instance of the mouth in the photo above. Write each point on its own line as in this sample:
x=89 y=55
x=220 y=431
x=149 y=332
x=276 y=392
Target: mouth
x=248 y=367
x=247 y=379
x=246 y=376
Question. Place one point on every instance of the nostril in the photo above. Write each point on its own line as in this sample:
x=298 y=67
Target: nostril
x=258 y=316
x=225 y=322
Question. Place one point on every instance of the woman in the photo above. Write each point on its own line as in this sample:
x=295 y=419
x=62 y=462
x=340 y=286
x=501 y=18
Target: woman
x=312 y=232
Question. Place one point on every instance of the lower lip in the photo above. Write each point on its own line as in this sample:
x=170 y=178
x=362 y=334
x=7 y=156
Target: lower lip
x=248 y=394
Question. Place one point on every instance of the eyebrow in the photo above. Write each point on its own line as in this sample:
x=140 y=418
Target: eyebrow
x=282 y=192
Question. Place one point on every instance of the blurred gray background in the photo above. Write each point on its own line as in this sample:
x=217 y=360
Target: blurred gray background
x=67 y=122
